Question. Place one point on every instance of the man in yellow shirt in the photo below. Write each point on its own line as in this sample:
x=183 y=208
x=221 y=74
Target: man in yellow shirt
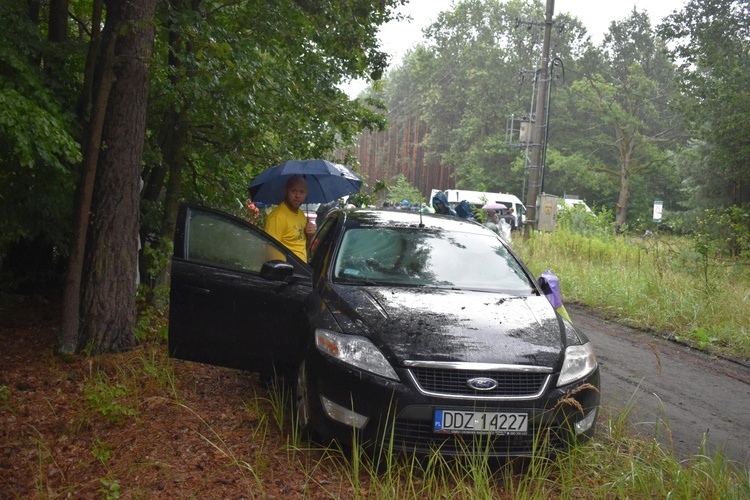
x=287 y=223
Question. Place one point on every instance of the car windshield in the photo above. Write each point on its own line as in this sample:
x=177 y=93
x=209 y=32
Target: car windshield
x=418 y=257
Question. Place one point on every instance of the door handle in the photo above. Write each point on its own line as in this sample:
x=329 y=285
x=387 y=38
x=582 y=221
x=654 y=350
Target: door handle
x=197 y=290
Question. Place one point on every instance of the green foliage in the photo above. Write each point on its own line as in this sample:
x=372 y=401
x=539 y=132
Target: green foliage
x=702 y=188
x=35 y=133
x=361 y=199
x=611 y=127
x=665 y=284
x=401 y=190
x=380 y=191
x=108 y=397
x=152 y=322
x=248 y=95
x=577 y=173
x=37 y=138
x=102 y=451
x=725 y=233
x=230 y=95
x=460 y=88
x=710 y=40
x=281 y=400
x=155 y=260
x=626 y=97
x=576 y=219
x=4 y=394
x=110 y=489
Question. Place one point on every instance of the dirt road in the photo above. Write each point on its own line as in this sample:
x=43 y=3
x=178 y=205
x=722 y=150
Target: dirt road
x=678 y=394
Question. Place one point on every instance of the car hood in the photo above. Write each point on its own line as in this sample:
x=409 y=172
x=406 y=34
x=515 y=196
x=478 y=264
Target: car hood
x=452 y=325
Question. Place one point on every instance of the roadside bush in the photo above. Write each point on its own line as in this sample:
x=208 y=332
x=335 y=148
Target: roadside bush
x=680 y=223
x=718 y=233
x=725 y=233
x=401 y=189
x=576 y=219
x=361 y=199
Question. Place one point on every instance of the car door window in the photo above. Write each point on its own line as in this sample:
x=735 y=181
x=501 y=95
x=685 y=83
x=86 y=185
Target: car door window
x=224 y=242
x=223 y=310
x=320 y=235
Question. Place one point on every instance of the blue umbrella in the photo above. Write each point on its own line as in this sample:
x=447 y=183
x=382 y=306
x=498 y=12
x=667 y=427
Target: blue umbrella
x=326 y=181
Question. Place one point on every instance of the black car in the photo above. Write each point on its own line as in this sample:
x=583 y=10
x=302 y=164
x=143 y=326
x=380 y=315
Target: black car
x=420 y=331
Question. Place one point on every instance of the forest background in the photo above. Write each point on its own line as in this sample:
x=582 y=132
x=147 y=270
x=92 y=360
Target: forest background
x=113 y=113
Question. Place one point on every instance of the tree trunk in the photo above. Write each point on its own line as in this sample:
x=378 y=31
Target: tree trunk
x=109 y=280
x=58 y=21
x=173 y=144
x=626 y=145
x=33 y=10
x=103 y=78
x=55 y=60
x=173 y=141
x=85 y=99
x=623 y=202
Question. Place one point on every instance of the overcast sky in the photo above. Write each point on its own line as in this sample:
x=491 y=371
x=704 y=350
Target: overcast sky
x=596 y=16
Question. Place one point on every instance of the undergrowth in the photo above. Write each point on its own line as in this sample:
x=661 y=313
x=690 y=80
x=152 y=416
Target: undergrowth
x=658 y=283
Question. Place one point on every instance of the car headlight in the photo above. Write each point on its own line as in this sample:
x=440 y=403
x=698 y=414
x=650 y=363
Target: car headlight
x=354 y=350
x=579 y=362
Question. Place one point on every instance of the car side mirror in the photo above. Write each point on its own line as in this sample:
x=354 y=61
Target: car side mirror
x=276 y=270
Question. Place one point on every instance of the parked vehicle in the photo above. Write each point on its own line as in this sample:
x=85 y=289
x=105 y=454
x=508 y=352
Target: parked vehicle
x=481 y=198
x=563 y=203
x=413 y=329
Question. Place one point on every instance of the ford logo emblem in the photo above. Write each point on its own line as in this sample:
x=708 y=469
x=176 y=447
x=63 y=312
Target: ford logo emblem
x=482 y=384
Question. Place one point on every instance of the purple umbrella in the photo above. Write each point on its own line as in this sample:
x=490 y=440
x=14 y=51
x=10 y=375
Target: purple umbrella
x=494 y=206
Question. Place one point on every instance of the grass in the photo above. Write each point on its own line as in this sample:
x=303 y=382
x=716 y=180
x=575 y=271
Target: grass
x=614 y=465
x=659 y=284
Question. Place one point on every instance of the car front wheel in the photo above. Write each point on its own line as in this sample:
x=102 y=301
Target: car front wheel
x=302 y=400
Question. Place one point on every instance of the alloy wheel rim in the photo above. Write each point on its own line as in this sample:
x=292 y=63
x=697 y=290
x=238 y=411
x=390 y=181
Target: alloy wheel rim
x=303 y=400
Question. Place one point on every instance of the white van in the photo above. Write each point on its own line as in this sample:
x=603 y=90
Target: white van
x=480 y=198
x=562 y=203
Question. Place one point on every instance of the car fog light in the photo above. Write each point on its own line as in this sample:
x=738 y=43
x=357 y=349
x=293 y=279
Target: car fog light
x=341 y=414
x=586 y=422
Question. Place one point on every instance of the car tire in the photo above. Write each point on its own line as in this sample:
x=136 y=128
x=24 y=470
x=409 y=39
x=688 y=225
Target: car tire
x=302 y=406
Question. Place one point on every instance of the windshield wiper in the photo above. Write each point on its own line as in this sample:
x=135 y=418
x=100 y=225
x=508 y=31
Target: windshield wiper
x=347 y=281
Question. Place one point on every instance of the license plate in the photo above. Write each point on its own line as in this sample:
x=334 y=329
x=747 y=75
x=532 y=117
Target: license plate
x=452 y=421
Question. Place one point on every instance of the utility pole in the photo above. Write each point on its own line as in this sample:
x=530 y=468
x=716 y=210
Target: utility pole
x=538 y=131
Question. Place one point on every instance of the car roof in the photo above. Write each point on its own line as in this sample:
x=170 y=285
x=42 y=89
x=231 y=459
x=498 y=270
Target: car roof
x=373 y=218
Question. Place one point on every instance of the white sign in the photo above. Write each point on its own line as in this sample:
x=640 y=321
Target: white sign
x=657 y=211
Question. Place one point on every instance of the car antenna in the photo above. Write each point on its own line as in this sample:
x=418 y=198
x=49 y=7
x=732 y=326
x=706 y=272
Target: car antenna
x=421 y=224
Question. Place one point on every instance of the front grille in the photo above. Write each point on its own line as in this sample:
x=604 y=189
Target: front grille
x=453 y=382
x=416 y=436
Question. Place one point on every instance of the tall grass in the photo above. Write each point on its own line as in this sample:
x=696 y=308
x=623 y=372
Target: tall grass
x=651 y=283
x=614 y=465
x=656 y=283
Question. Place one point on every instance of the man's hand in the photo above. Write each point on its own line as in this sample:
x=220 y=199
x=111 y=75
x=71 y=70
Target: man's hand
x=310 y=228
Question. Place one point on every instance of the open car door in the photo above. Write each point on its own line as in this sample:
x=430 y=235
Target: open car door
x=229 y=306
